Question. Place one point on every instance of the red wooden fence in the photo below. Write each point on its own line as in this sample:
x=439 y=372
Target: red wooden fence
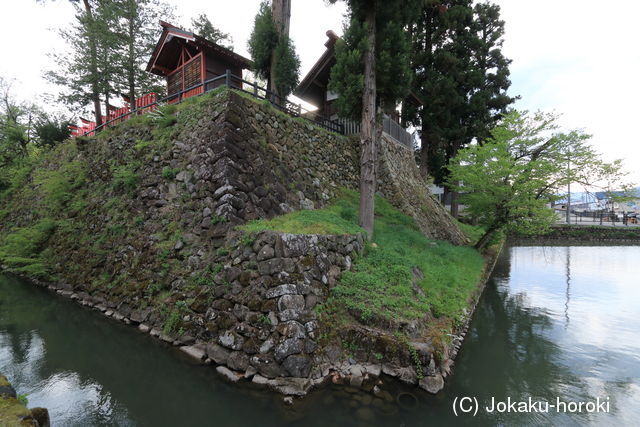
x=117 y=116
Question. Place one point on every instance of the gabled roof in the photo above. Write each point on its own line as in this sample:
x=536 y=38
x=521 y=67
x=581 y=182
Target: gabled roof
x=170 y=32
x=318 y=77
x=319 y=73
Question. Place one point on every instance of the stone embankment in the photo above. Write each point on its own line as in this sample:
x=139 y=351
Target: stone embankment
x=588 y=233
x=144 y=232
x=14 y=413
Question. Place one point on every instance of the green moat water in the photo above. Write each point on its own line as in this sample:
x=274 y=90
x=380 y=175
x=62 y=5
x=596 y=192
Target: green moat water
x=554 y=322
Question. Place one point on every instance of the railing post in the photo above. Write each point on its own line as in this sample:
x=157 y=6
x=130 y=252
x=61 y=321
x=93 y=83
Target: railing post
x=255 y=89
x=227 y=78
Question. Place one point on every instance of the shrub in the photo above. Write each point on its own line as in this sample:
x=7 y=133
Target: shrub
x=170 y=173
x=125 y=177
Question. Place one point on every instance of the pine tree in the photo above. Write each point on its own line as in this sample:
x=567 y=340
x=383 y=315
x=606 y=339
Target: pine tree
x=78 y=71
x=202 y=26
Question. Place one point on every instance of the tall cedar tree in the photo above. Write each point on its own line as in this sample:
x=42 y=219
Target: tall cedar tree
x=139 y=30
x=120 y=36
x=202 y=26
x=462 y=77
x=79 y=70
x=372 y=73
x=272 y=51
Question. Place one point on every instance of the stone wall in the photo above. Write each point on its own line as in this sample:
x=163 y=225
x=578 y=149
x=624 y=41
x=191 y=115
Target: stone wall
x=164 y=252
x=256 y=319
x=399 y=180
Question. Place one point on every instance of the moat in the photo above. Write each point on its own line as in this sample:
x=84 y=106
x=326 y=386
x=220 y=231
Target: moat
x=555 y=322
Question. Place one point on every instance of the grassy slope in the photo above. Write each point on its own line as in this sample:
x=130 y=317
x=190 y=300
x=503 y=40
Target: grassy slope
x=382 y=281
x=57 y=193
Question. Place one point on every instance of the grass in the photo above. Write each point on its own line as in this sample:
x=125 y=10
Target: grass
x=473 y=232
x=20 y=249
x=382 y=281
x=338 y=218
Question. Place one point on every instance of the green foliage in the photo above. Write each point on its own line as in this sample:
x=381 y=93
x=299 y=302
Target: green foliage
x=392 y=56
x=51 y=131
x=264 y=319
x=169 y=173
x=20 y=249
x=247 y=239
x=23 y=399
x=262 y=41
x=473 y=232
x=266 y=44
x=202 y=26
x=338 y=218
x=509 y=180
x=381 y=281
x=125 y=177
x=172 y=321
x=461 y=75
x=216 y=219
x=286 y=67
x=60 y=185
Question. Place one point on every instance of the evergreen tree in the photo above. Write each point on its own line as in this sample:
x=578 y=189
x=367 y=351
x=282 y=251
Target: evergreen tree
x=371 y=74
x=272 y=51
x=138 y=32
x=79 y=71
x=202 y=26
x=462 y=77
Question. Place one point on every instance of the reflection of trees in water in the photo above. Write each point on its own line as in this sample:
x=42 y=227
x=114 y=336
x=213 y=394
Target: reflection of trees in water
x=508 y=351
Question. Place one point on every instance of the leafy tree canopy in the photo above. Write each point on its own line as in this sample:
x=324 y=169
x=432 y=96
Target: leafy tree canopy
x=509 y=180
x=202 y=26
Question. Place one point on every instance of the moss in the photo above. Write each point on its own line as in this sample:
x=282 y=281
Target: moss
x=338 y=218
x=12 y=413
x=169 y=173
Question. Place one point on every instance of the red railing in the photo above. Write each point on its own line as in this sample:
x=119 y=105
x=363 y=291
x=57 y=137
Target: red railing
x=143 y=104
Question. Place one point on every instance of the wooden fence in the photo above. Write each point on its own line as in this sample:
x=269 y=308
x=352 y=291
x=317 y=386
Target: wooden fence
x=151 y=102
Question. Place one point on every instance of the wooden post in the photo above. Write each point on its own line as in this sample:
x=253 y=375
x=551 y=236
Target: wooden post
x=255 y=89
x=227 y=79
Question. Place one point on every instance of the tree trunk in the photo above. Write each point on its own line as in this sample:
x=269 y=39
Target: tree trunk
x=367 y=129
x=454 y=194
x=107 y=105
x=131 y=72
x=485 y=239
x=445 y=195
x=93 y=67
x=281 y=13
x=424 y=153
x=455 y=208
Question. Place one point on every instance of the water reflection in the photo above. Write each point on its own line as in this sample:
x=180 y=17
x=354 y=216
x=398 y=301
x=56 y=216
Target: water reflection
x=553 y=322
x=566 y=304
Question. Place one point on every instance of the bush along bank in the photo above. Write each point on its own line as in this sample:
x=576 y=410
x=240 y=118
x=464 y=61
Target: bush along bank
x=222 y=227
x=588 y=233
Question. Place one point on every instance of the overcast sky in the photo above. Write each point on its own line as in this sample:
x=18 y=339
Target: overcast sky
x=577 y=57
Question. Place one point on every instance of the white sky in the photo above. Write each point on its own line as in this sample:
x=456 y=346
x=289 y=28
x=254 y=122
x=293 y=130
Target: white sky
x=577 y=57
